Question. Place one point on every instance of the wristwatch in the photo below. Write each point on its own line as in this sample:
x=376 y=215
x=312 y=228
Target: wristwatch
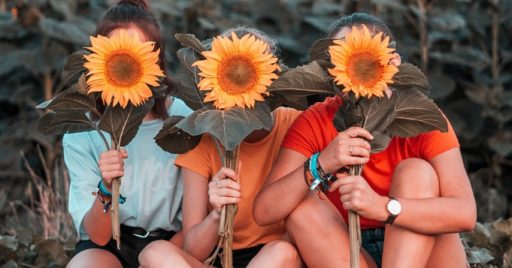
x=394 y=208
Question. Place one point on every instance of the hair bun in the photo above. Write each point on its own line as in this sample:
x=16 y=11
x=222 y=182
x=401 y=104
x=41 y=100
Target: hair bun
x=140 y=3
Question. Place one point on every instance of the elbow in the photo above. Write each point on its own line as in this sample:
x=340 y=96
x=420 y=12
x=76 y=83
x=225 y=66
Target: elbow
x=258 y=213
x=468 y=221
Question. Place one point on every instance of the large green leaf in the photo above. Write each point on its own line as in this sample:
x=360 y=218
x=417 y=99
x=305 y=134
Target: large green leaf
x=410 y=76
x=123 y=123
x=74 y=66
x=305 y=80
x=415 y=113
x=64 y=31
x=187 y=80
x=230 y=126
x=174 y=140
x=61 y=122
x=191 y=41
x=72 y=100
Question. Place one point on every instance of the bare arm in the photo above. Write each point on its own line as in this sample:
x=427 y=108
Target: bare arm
x=97 y=224
x=201 y=227
x=286 y=179
x=453 y=211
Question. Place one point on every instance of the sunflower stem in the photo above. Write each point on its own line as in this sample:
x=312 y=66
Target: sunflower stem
x=354 y=227
x=114 y=210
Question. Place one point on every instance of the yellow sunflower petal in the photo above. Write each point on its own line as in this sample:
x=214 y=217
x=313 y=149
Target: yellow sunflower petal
x=122 y=68
x=361 y=63
x=236 y=71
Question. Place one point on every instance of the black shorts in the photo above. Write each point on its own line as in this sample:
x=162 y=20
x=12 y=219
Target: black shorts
x=131 y=245
x=241 y=257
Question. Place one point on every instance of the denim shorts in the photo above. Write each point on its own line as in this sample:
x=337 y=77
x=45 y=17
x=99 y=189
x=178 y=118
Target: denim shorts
x=373 y=243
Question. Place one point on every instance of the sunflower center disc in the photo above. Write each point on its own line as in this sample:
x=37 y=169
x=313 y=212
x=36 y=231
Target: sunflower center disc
x=123 y=69
x=237 y=75
x=365 y=69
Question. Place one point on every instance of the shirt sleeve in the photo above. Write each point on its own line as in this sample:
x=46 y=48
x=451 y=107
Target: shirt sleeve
x=301 y=136
x=84 y=175
x=433 y=143
x=198 y=159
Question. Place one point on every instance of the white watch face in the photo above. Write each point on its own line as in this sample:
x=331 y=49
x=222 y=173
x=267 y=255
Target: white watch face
x=394 y=207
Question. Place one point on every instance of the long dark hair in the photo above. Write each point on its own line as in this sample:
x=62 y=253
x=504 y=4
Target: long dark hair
x=356 y=19
x=136 y=13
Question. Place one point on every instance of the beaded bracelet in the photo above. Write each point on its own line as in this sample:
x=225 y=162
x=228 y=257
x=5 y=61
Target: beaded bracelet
x=102 y=190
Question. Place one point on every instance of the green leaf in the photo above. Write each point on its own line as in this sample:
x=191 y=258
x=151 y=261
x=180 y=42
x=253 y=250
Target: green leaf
x=380 y=141
x=73 y=67
x=410 y=76
x=415 y=113
x=123 y=124
x=61 y=122
x=72 y=100
x=186 y=82
x=230 y=126
x=174 y=140
x=377 y=112
x=13 y=60
x=64 y=31
x=304 y=80
x=191 y=41
x=320 y=50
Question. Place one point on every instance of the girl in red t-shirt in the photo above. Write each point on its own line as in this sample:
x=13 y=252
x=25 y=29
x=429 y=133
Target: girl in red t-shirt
x=414 y=197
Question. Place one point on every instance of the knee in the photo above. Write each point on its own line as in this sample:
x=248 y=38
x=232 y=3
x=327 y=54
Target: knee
x=283 y=253
x=414 y=178
x=156 y=254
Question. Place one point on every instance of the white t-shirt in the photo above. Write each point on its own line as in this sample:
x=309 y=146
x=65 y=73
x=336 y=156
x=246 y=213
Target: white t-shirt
x=152 y=184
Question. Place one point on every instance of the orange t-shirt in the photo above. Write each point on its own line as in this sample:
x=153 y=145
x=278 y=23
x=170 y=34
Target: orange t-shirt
x=257 y=160
x=313 y=131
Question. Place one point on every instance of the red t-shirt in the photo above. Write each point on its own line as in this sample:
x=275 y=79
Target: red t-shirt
x=313 y=131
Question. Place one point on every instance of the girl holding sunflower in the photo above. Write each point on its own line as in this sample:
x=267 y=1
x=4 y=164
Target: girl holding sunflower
x=236 y=72
x=127 y=56
x=407 y=194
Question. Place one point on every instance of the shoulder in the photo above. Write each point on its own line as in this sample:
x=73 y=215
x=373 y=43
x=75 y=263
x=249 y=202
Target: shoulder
x=320 y=113
x=178 y=107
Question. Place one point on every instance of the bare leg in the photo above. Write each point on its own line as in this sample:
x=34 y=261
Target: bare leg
x=448 y=252
x=321 y=235
x=415 y=179
x=94 y=257
x=276 y=254
x=164 y=254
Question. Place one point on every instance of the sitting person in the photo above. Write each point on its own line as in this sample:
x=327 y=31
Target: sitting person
x=406 y=196
x=209 y=186
x=151 y=182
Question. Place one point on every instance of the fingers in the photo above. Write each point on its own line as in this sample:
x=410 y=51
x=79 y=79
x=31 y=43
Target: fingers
x=111 y=164
x=225 y=172
x=225 y=184
x=354 y=132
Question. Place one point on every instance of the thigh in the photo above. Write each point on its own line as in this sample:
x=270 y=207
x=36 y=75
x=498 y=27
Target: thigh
x=447 y=252
x=94 y=257
x=277 y=253
x=321 y=235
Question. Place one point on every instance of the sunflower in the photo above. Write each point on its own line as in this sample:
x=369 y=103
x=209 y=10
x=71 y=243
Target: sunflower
x=237 y=71
x=362 y=62
x=122 y=68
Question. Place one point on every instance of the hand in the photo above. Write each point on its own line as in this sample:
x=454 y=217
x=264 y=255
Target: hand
x=358 y=196
x=349 y=147
x=224 y=189
x=111 y=165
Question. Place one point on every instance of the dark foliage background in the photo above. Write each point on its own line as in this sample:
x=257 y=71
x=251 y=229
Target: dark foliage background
x=464 y=46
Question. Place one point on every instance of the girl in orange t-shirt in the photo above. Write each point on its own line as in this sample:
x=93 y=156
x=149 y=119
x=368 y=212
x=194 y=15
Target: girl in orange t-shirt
x=413 y=198
x=208 y=186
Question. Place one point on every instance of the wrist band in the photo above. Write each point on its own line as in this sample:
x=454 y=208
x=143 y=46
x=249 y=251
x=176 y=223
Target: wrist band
x=319 y=177
x=102 y=190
